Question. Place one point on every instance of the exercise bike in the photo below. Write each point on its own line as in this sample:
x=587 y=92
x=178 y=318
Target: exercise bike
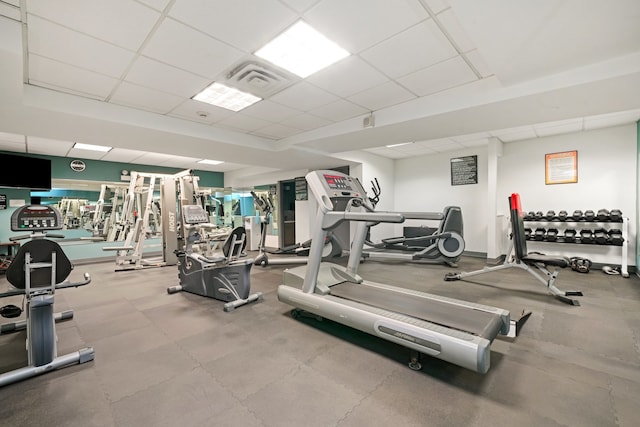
x=294 y=254
x=39 y=268
x=225 y=277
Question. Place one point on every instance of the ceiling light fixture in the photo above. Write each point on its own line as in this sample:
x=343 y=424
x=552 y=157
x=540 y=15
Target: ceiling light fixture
x=226 y=97
x=302 y=50
x=399 y=145
x=210 y=162
x=91 y=147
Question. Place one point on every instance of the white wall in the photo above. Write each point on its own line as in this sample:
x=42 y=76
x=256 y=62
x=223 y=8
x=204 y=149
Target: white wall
x=606 y=180
x=423 y=184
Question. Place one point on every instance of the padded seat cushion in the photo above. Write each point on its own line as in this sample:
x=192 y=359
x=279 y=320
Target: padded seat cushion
x=557 y=261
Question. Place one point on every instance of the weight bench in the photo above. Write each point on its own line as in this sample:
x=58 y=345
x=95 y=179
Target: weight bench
x=533 y=262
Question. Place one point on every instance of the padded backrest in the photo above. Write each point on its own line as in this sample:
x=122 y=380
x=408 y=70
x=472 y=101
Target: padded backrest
x=517 y=226
x=235 y=243
x=40 y=250
x=452 y=220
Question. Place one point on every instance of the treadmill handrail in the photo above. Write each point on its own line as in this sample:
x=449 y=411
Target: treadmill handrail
x=333 y=219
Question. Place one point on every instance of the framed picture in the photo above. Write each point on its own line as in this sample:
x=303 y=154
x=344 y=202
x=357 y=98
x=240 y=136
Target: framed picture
x=561 y=168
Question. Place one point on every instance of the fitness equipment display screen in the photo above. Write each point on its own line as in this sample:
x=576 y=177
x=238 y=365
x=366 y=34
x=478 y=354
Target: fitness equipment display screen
x=36 y=217
x=337 y=182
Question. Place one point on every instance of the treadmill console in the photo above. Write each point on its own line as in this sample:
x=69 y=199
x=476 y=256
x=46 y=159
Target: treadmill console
x=335 y=185
x=194 y=214
x=36 y=218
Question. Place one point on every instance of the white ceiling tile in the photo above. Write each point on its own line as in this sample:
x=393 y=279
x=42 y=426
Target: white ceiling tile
x=64 y=76
x=183 y=47
x=478 y=63
x=53 y=41
x=418 y=47
x=156 y=75
x=123 y=155
x=270 y=111
x=200 y=112
x=85 y=154
x=613 y=119
x=474 y=143
x=339 y=110
x=242 y=122
x=305 y=122
x=514 y=134
x=11 y=11
x=437 y=6
x=358 y=24
x=303 y=96
x=247 y=25
x=300 y=5
x=455 y=30
x=55 y=147
x=12 y=137
x=433 y=143
x=349 y=76
x=384 y=95
x=557 y=128
x=445 y=75
x=451 y=146
x=158 y=5
x=471 y=137
x=132 y=95
x=276 y=131
x=13 y=146
x=124 y=23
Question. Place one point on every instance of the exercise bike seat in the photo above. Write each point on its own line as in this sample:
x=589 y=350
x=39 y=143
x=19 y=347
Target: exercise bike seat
x=40 y=251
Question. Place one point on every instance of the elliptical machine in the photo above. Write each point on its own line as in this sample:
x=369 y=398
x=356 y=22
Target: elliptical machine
x=226 y=277
x=300 y=251
x=38 y=269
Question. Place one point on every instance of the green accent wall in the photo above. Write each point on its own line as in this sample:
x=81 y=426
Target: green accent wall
x=104 y=171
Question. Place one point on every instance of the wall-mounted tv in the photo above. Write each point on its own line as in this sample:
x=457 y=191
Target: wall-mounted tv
x=25 y=172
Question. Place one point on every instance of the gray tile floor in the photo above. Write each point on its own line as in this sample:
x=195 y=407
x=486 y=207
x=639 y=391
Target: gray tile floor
x=180 y=360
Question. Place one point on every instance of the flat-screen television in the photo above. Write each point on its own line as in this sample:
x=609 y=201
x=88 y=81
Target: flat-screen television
x=25 y=172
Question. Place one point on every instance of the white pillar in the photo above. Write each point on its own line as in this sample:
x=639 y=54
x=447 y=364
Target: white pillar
x=494 y=217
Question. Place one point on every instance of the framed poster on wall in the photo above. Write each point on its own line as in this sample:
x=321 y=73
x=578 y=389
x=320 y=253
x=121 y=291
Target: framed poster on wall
x=561 y=168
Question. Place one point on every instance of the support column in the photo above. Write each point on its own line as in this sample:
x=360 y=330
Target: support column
x=494 y=218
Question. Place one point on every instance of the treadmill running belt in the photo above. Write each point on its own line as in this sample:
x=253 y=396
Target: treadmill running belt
x=476 y=322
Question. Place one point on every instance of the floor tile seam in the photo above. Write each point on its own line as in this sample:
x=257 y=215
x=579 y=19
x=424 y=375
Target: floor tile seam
x=289 y=374
x=391 y=373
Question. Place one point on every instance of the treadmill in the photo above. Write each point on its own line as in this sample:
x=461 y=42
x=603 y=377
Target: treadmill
x=456 y=331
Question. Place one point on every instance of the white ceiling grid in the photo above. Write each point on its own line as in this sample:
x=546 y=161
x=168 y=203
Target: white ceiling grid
x=154 y=55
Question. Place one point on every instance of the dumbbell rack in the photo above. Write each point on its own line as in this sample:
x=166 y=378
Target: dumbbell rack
x=624 y=222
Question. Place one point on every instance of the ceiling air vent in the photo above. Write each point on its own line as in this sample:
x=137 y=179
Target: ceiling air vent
x=258 y=78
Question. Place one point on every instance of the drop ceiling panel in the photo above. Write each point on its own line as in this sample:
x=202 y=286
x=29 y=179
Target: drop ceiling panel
x=156 y=75
x=17 y=147
x=276 y=131
x=200 y=112
x=59 y=75
x=305 y=122
x=349 y=76
x=158 y=5
x=136 y=96
x=381 y=96
x=53 y=147
x=85 y=154
x=515 y=37
x=242 y=122
x=515 y=134
x=54 y=41
x=304 y=96
x=456 y=32
x=358 y=24
x=230 y=21
x=445 y=75
x=557 y=128
x=124 y=23
x=419 y=47
x=183 y=47
x=123 y=155
x=613 y=119
x=300 y=5
x=339 y=110
x=270 y=111
x=437 y=6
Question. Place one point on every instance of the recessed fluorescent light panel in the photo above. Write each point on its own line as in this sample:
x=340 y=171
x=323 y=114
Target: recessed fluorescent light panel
x=398 y=145
x=91 y=147
x=226 y=97
x=302 y=50
x=210 y=162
